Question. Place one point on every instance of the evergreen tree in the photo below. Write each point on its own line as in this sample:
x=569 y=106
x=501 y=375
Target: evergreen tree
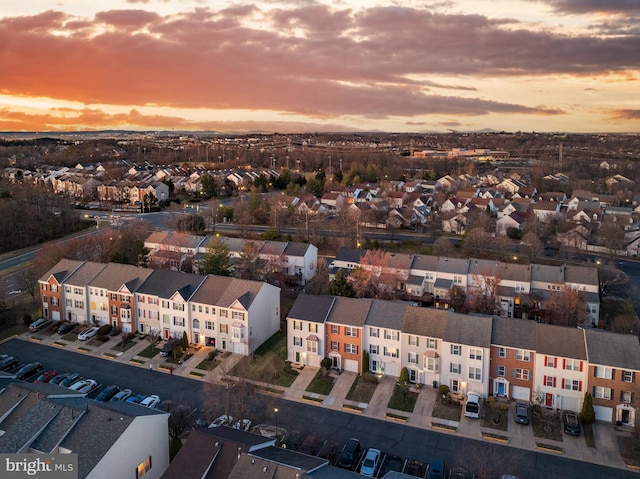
x=588 y=415
x=339 y=286
x=216 y=260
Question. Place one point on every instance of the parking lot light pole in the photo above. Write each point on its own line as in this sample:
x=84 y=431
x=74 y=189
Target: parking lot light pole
x=275 y=410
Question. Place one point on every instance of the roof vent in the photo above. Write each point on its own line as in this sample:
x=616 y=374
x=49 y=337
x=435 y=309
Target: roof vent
x=265 y=469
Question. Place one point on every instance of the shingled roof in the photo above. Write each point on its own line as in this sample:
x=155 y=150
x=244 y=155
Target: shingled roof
x=613 y=349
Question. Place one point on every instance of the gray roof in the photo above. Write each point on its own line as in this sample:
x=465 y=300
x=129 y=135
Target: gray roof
x=560 y=341
x=84 y=274
x=547 y=274
x=453 y=265
x=386 y=314
x=62 y=270
x=349 y=311
x=351 y=255
x=223 y=291
x=581 y=274
x=239 y=436
x=165 y=283
x=415 y=280
x=613 y=349
x=296 y=249
x=514 y=272
x=483 y=267
x=514 y=333
x=293 y=459
x=443 y=283
x=114 y=275
x=472 y=330
x=427 y=322
x=312 y=308
x=331 y=472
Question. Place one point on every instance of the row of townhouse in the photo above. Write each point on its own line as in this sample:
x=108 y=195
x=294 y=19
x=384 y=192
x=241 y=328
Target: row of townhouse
x=521 y=290
x=295 y=260
x=549 y=365
x=227 y=313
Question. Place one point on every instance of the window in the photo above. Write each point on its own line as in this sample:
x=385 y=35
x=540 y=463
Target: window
x=455 y=368
x=153 y=300
x=54 y=288
x=238 y=333
x=626 y=396
x=177 y=321
x=393 y=352
x=456 y=350
x=206 y=310
x=349 y=331
x=601 y=393
x=602 y=372
x=313 y=328
x=297 y=341
x=432 y=343
x=224 y=328
x=143 y=467
x=153 y=315
x=475 y=373
x=393 y=335
x=43 y=286
x=414 y=341
x=550 y=361
x=236 y=315
x=335 y=329
x=374 y=349
x=78 y=304
x=165 y=318
x=334 y=345
x=165 y=304
x=572 y=364
x=475 y=354
x=223 y=313
x=550 y=381
x=501 y=371
x=55 y=301
x=572 y=384
x=77 y=290
x=502 y=352
x=374 y=332
x=432 y=364
x=457 y=279
x=209 y=325
x=199 y=308
x=297 y=325
x=412 y=358
x=312 y=346
x=522 y=374
x=522 y=355
x=627 y=376
x=455 y=385
x=351 y=348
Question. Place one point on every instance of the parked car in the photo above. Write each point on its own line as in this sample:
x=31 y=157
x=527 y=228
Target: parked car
x=28 y=370
x=350 y=454
x=150 y=401
x=571 y=423
x=66 y=328
x=310 y=445
x=371 y=462
x=122 y=395
x=59 y=378
x=436 y=469
x=472 y=406
x=523 y=413
x=46 y=376
x=40 y=324
x=114 y=331
x=460 y=473
x=88 y=333
x=8 y=363
x=328 y=450
x=136 y=398
x=70 y=379
x=222 y=421
x=170 y=345
x=414 y=468
x=83 y=386
x=242 y=424
x=107 y=393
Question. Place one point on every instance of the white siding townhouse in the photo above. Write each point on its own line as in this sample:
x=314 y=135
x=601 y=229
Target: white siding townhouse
x=306 y=335
x=382 y=337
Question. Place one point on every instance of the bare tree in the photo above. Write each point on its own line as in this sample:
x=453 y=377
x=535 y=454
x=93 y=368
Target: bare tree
x=319 y=284
x=532 y=246
x=482 y=296
x=443 y=247
x=375 y=277
x=476 y=243
x=565 y=308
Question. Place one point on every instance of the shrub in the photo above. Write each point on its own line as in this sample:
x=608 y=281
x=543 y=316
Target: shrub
x=588 y=415
x=128 y=337
x=404 y=376
x=365 y=362
x=443 y=390
x=504 y=406
x=178 y=352
x=287 y=369
x=370 y=378
x=104 y=330
x=212 y=355
x=326 y=363
x=26 y=319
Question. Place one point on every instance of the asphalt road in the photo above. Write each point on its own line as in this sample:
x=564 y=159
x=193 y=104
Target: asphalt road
x=397 y=439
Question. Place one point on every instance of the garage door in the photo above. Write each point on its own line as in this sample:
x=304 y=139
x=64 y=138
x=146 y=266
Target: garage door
x=351 y=365
x=603 y=413
x=55 y=315
x=520 y=393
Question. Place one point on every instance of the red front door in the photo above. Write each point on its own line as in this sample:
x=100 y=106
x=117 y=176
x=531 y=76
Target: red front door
x=548 y=400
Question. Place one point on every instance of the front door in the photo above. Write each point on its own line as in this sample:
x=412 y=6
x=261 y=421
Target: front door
x=501 y=387
x=224 y=344
x=297 y=360
x=548 y=400
x=625 y=416
x=166 y=334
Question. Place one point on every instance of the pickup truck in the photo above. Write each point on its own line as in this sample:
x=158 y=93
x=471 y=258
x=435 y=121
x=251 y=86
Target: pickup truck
x=168 y=348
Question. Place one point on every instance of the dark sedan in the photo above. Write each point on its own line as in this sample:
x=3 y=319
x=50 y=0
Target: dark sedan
x=66 y=328
x=522 y=413
x=108 y=393
x=28 y=370
x=571 y=423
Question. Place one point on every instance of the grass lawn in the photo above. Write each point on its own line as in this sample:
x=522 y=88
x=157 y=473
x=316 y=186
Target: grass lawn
x=450 y=412
x=494 y=417
x=631 y=450
x=267 y=365
x=546 y=424
x=362 y=390
x=18 y=328
x=70 y=337
x=207 y=365
x=402 y=402
x=149 y=352
x=321 y=384
x=121 y=348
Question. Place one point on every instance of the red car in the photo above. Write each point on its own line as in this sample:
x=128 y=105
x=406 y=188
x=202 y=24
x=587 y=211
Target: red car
x=46 y=376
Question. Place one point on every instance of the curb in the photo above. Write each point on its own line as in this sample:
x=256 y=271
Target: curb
x=396 y=418
x=440 y=427
x=495 y=438
x=355 y=409
x=549 y=449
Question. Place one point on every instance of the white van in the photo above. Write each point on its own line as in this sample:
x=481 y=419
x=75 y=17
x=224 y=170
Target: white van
x=472 y=406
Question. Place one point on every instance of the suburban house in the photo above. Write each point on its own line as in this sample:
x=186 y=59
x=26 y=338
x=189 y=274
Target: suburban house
x=422 y=331
x=382 y=333
x=306 y=330
x=51 y=290
x=110 y=439
x=345 y=332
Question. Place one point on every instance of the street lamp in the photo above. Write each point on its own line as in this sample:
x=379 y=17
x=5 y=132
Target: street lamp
x=275 y=410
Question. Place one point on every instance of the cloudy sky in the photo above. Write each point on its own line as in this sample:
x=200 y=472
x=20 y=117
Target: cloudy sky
x=320 y=65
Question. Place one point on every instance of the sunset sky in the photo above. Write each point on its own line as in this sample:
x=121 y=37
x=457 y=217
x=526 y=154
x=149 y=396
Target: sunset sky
x=324 y=65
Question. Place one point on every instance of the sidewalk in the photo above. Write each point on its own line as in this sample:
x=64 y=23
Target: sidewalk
x=606 y=452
